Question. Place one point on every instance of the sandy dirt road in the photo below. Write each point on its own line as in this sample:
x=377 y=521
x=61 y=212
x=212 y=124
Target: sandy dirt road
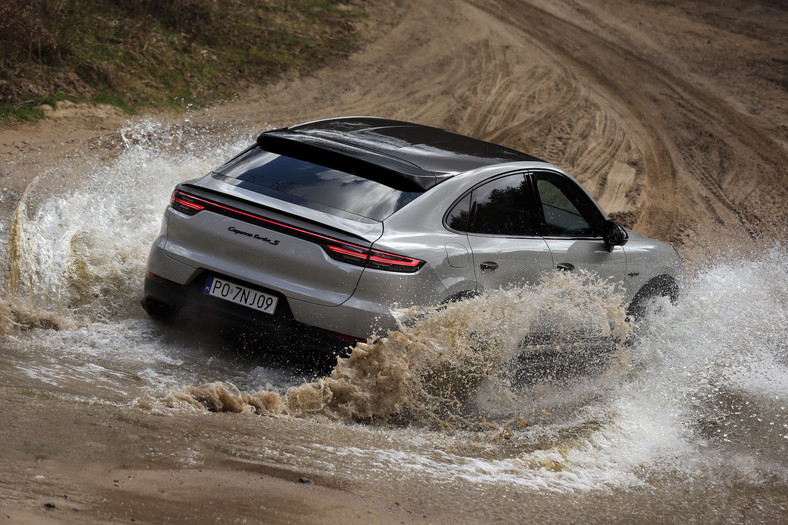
x=673 y=114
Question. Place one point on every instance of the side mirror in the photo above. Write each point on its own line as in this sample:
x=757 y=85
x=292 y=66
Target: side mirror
x=613 y=235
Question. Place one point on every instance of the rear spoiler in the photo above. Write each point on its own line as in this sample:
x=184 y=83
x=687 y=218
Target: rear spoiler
x=391 y=171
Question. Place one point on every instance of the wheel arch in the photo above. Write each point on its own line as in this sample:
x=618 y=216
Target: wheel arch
x=462 y=295
x=663 y=285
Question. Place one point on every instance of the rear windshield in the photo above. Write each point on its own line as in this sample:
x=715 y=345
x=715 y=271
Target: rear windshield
x=312 y=185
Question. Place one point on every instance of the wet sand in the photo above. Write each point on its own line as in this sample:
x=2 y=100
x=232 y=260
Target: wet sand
x=673 y=116
x=76 y=463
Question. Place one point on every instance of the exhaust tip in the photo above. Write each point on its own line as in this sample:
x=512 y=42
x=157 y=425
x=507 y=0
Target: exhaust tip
x=156 y=309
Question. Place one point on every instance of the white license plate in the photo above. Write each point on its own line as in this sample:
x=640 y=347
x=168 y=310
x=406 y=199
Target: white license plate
x=242 y=295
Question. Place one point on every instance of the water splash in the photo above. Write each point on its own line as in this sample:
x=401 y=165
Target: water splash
x=83 y=253
x=697 y=391
x=19 y=317
x=431 y=370
x=716 y=365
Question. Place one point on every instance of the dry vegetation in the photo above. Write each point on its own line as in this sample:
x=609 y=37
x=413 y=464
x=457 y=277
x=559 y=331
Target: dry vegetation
x=138 y=53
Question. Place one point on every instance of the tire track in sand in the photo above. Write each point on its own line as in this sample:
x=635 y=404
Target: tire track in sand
x=508 y=90
x=703 y=161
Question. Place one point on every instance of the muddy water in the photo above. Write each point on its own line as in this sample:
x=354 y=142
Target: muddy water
x=686 y=412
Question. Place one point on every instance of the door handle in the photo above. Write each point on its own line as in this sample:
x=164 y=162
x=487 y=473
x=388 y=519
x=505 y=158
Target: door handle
x=565 y=267
x=488 y=265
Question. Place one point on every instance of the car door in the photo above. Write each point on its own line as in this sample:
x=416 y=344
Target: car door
x=571 y=224
x=500 y=226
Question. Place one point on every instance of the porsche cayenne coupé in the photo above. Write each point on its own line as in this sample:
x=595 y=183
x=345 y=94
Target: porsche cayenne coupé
x=311 y=234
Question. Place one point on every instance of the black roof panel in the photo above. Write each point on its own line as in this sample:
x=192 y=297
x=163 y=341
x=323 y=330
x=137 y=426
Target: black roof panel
x=421 y=155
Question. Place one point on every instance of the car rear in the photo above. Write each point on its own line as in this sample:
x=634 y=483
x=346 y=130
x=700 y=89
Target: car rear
x=276 y=246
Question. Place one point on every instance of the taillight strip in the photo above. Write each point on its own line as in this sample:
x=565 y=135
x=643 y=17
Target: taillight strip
x=337 y=249
x=389 y=258
x=188 y=204
x=211 y=204
x=350 y=253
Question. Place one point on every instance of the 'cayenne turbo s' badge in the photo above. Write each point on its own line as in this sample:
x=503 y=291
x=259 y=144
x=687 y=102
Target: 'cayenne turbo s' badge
x=253 y=235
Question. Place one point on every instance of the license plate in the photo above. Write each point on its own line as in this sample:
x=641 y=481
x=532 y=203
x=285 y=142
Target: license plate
x=235 y=293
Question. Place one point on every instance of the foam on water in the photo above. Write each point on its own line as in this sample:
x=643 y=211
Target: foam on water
x=430 y=370
x=698 y=389
x=84 y=252
x=76 y=260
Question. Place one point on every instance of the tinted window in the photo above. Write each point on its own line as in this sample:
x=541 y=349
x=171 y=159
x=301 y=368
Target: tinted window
x=459 y=215
x=314 y=186
x=500 y=207
x=566 y=210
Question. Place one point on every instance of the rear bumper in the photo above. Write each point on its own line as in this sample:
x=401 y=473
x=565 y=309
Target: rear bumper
x=187 y=306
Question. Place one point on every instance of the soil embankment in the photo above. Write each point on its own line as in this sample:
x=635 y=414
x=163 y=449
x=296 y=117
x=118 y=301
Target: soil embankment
x=672 y=114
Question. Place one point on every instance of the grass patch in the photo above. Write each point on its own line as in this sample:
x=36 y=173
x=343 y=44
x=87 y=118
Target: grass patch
x=53 y=100
x=24 y=111
x=114 y=99
x=160 y=53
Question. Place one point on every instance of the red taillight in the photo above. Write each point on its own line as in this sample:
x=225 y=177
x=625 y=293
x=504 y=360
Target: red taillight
x=353 y=254
x=154 y=277
x=184 y=203
x=388 y=260
x=335 y=248
x=349 y=252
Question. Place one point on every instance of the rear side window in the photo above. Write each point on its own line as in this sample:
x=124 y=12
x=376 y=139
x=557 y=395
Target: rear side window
x=314 y=186
x=501 y=207
x=459 y=215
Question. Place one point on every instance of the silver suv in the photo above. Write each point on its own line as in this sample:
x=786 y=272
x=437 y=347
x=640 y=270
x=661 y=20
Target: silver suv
x=310 y=235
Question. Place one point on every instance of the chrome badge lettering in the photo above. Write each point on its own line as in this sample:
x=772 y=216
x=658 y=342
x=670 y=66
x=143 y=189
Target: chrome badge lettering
x=253 y=236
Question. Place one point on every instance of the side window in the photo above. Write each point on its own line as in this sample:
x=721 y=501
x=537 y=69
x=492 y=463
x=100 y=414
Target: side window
x=500 y=207
x=566 y=210
x=459 y=215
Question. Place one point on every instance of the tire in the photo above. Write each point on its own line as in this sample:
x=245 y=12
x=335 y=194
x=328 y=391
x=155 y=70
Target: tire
x=661 y=286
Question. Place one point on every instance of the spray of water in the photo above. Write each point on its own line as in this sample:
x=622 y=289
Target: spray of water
x=431 y=369
x=82 y=253
x=697 y=389
x=715 y=367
